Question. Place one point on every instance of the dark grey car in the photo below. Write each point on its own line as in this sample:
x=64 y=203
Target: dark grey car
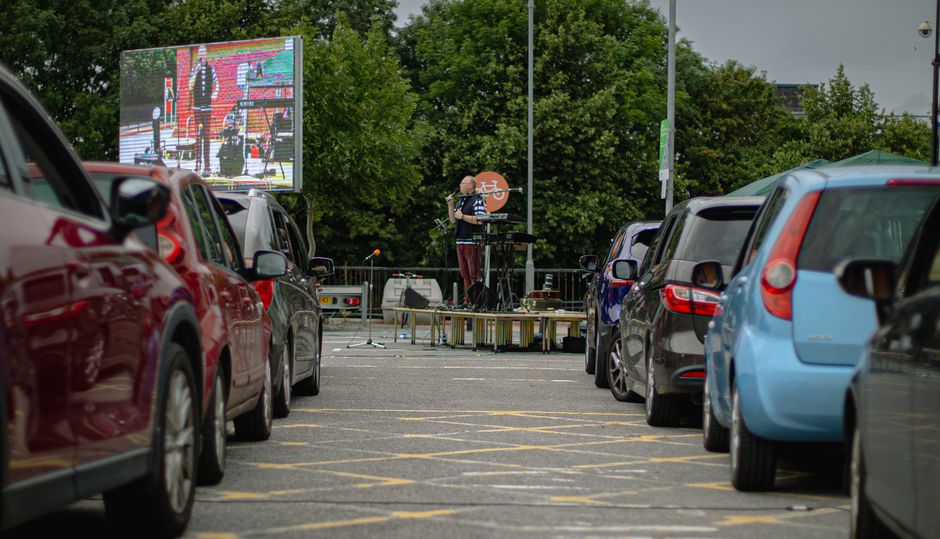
x=892 y=406
x=665 y=317
x=292 y=301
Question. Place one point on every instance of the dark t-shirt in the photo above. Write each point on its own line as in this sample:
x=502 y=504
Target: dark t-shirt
x=469 y=205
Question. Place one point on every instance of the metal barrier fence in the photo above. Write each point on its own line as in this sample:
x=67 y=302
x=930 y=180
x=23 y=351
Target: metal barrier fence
x=570 y=283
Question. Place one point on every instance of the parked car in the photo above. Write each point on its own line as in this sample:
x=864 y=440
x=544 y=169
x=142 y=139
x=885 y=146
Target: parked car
x=196 y=239
x=605 y=294
x=782 y=346
x=892 y=406
x=292 y=300
x=99 y=344
x=664 y=317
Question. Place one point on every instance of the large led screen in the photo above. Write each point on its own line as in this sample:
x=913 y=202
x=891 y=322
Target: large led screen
x=230 y=111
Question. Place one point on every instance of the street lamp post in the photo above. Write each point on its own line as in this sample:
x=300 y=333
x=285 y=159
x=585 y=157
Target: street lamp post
x=529 y=263
x=925 y=31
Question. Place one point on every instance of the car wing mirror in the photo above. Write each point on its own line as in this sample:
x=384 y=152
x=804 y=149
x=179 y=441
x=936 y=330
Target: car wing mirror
x=321 y=266
x=625 y=269
x=268 y=265
x=588 y=262
x=709 y=275
x=872 y=279
x=137 y=203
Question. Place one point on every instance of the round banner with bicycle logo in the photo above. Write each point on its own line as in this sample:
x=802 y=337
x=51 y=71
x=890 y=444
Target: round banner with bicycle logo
x=487 y=182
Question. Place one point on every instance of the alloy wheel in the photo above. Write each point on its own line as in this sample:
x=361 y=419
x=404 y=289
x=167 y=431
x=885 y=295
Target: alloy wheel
x=618 y=376
x=266 y=394
x=179 y=451
x=286 y=376
x=218 y=427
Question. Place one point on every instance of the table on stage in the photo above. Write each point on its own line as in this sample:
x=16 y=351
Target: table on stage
x=495 y=327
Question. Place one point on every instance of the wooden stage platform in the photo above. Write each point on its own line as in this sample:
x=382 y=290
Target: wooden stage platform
x=495 y=328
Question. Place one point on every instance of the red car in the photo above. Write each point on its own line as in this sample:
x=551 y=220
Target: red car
x=99 y=342
x=197 y=240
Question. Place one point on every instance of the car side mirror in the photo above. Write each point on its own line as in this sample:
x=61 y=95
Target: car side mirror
x=137 y=203
x=872 y=279
x=708 y=275
x=268 y=265
x=588 y=262
x=321 y=266
x=625 y=269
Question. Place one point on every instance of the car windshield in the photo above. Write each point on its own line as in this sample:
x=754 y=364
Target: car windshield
x=863 y=223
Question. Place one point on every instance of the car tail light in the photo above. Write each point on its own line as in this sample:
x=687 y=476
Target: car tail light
x=265 y=289
x=688 y=300
x=353 y=300
x=170 y=246
x=693 y=375
x=779 y=275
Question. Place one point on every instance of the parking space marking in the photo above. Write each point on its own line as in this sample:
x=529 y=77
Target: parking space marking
x=781 y=518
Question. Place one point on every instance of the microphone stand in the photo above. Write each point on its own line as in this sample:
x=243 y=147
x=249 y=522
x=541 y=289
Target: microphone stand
x=441 y=225
x=368 y=307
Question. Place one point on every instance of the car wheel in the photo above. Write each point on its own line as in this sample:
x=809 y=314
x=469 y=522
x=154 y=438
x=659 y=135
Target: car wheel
x=661 y=410
x=753 y=459
x=162 y=507
x=714 y=436
x=590 y=352
x=212 y=458
x=621 y=385
x=282 y=397
x=255 y=426
x=601 y=359
x=864 y=524
x=311 y=386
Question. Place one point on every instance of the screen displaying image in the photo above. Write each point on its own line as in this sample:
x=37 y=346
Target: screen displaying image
x=232 y=112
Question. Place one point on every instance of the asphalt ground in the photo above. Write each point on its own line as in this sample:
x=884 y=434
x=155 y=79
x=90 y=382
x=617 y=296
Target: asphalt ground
x=421 y=441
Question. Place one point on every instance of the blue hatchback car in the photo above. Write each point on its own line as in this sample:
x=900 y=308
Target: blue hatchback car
x=782 y=345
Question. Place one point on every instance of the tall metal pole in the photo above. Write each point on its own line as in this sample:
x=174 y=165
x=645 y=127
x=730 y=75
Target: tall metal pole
x=933 y=110
x=529 y=264
x=671 y=107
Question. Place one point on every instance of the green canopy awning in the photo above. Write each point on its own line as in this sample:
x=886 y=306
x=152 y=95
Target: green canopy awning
x=764 y=186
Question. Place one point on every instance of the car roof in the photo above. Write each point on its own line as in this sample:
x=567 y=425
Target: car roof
x=245 y=199
x=859 y=176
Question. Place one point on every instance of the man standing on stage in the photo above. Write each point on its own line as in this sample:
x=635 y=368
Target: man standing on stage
x=204 y=87
x=469 y=206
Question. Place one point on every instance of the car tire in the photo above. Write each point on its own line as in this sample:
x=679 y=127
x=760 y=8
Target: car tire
x=753 y=459
x=714 y=436
x=590 y=352
x=864 y=524
x=311 y=386
x=212 y=457
x=283 y=395
x=255 y=426
x=161 y=504
x=600 y=359
x=621 y=384
x=661 y=410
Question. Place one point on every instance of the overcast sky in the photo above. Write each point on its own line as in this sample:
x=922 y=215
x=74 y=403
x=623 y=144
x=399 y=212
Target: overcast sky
x=799 y=41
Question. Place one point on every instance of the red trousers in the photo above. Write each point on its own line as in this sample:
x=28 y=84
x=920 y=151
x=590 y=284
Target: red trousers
x=468 y=258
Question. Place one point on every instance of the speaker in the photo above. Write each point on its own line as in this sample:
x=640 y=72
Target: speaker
x=481 y=297
x=414 y=300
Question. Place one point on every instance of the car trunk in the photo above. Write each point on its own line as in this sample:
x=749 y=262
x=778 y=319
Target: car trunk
x=829 y=325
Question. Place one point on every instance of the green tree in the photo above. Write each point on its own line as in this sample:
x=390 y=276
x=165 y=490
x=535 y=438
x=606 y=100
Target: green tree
x=907 y=136
x=599 y=79
x=360 y=145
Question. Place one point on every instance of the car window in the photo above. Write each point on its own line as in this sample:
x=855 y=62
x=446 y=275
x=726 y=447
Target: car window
x=5 y=182
x=641 y=243
x=300 y=248
x=200 y=220
x=230 y=248
x=615 y=244
x=873 y=222
x=672 y=242
x=283 y=236
x=761 y=224
x=237 y=217
x=47 y=167
x=717 y=234
x=658 y=242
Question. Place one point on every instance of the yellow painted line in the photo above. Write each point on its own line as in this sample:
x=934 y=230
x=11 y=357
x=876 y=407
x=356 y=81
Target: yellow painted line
x=335 y=524
x=299 y=426
x=574 y=499
x=234 y=496
x=289 y=492
x=294 y=443
x=425 y=411
x=726 y=487
x=380 y=481
x=419 y=515
x=609 y=464
x=216 y=535
x=689 y=458
x=719 y=485
x=738 y=520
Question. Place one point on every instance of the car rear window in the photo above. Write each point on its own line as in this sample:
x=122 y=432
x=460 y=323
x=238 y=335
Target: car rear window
x=717 y=234
x=872 y=222
x=642 y=242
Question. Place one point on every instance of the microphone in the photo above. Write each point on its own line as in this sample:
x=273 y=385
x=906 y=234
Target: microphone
x=375 y=253
x=515 y=189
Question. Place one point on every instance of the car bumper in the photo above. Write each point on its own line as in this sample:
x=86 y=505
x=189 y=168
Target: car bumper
x=785 y=399
x=677 y=350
